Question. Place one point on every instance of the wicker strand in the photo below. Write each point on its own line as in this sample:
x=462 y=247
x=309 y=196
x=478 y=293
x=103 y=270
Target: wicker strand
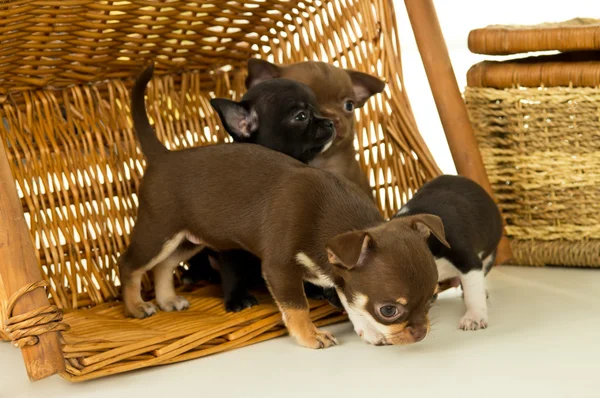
x=24 y=329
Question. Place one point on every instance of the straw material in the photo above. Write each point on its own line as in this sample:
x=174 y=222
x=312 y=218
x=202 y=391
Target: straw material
x=102 y=343
x=25 y=329
x=577 y=34
x=541 y=149
x=65 y=73
x=580 y=69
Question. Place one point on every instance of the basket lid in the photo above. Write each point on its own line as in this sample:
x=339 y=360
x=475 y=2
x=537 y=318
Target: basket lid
x=579 y=69
x=578 y=34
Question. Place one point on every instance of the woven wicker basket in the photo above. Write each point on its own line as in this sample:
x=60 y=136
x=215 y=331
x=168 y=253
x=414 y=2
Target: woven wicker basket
x=67 y=141
x=537 y=122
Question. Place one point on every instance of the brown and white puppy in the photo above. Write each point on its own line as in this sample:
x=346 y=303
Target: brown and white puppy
x=303 y=223
x=339 y=93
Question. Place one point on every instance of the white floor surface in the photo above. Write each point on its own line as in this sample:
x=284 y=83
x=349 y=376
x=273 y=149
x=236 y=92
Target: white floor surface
x=542 y=342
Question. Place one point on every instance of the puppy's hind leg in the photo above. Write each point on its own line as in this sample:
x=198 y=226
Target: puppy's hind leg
x=163 y=278
x=131 y=285
x=148 y=247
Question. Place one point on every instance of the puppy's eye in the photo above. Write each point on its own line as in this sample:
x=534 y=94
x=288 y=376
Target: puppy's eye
x=434 y=298
x=388 y=311
x=300 y=117
x=349 y=106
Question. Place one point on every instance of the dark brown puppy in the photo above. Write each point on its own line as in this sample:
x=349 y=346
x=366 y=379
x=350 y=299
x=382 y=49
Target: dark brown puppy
x=339 y=92
x=303 y=223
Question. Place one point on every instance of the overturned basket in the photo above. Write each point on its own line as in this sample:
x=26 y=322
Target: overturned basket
x=68 y=144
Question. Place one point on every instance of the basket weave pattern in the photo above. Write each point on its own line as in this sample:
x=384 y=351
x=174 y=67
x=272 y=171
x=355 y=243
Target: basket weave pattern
x=67 y=127
x=541 y=149
x=577 y=34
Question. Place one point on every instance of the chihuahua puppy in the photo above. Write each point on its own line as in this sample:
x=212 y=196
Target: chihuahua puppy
x=339 y=93
x=261 y=117
x=473 y=227
x=272 y=100
x=302 y=222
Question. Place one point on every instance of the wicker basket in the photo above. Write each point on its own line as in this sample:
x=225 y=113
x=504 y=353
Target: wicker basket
x=65 y=72
x=537 y=122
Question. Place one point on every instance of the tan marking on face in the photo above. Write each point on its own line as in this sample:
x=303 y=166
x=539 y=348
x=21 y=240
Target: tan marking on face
x=395 y=334
x=395 y=328
x=305 y=332
x=402 y=300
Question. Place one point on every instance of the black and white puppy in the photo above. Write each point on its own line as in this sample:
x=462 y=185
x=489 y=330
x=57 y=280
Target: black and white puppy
x=473 y=228
x=272 y=114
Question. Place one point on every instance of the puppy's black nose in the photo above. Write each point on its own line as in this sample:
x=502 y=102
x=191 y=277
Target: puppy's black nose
x=328 y=123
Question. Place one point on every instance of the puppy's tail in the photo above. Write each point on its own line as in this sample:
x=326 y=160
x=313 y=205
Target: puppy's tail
x=149 y=142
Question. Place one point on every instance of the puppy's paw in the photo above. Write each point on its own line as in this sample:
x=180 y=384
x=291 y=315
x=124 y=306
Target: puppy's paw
x=141 y=310
x=238 y=304
x=175 y=303
x=318 y=339
x=473 y=321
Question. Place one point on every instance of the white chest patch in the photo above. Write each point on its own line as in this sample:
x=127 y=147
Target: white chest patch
x=327 y=146
x=446 y=269
x=318 y=277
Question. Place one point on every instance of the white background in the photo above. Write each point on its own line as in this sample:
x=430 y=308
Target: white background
x=457 y=18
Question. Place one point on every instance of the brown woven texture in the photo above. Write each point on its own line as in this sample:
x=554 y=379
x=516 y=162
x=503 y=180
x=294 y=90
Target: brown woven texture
x=93 y=348
x=65 y=72
x=579 y=69
x=576 y=34
x=541 y=149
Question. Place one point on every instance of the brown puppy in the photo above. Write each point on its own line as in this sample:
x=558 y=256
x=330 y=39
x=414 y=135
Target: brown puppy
x=339 y=92
x=303 y=223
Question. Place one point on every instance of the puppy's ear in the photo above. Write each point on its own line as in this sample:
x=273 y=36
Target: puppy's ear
x=350 y=250
x=427 y=224
x=364 y=86
x=259 y=71
x=239 y=121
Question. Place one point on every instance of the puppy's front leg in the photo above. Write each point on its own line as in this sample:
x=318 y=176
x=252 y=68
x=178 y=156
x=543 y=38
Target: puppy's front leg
x=473 y=284
x=287 y=289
